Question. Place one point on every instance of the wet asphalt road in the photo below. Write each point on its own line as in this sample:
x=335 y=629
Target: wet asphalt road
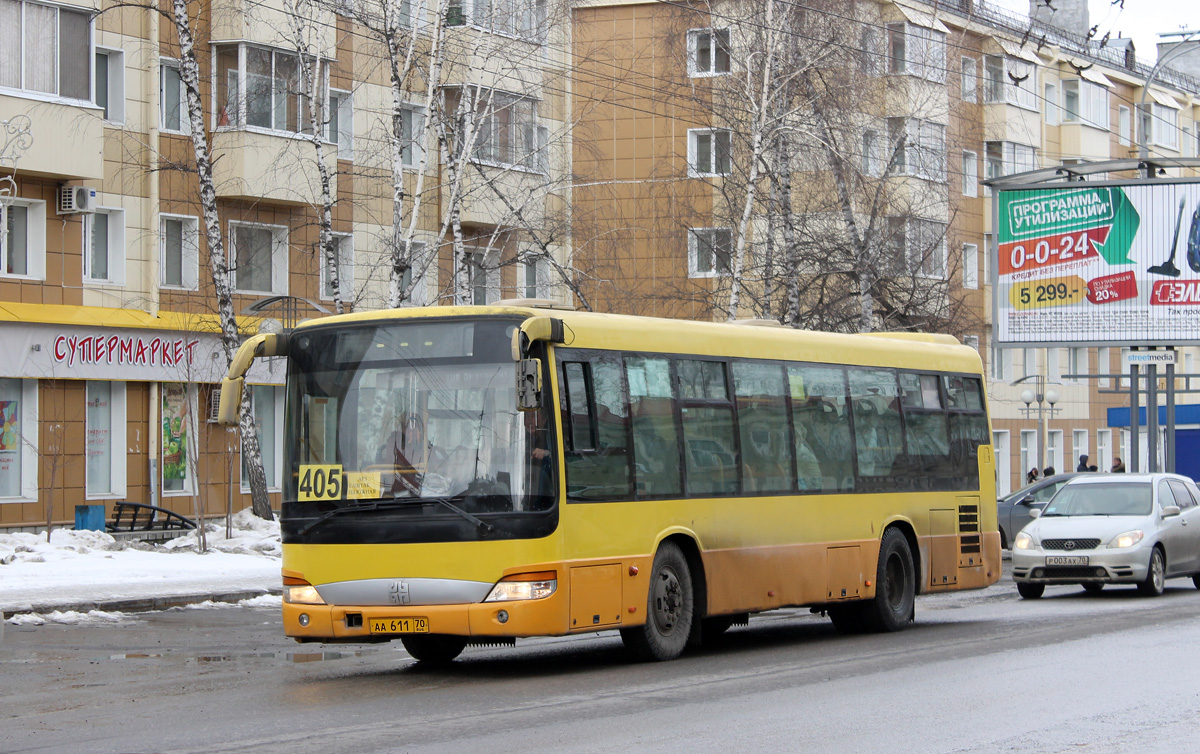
x=978 y=672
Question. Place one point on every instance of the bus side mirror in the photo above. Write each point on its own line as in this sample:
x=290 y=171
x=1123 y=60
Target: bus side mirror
x=529 y=385
x=231 y=401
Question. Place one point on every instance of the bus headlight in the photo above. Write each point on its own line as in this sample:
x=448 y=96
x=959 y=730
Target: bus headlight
x=524 y=586
x=300 y=592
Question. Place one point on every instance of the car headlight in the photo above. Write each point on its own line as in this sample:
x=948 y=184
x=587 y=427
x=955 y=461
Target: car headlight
x=525 y=586
x=1128 y=539
x=1023 y=542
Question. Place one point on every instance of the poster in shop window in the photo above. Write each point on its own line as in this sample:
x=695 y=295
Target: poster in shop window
x=1081 y=263
x=174 y=438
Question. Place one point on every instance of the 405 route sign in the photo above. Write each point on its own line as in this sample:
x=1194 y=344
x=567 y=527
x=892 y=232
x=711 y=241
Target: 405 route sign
x=1084 y=264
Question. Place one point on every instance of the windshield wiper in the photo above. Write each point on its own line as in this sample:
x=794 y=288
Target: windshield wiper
x=380 y=505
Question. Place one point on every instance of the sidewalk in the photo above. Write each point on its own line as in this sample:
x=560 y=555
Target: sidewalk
x=81 y=571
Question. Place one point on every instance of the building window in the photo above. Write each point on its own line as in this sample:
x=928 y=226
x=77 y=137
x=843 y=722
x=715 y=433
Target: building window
x=259 y=258
x=1080 y=443
x=172 y=104
x=872 y=160
x=110 y=83
x=179 y=251
x=534 y=276
x=340 y=129
x=266 y=405
x=1160 y=125
x=481 y=276
x=1086 y=103
x=45 y=49
x=1006 y=158
x=925 y=248
x=525 y=19
x=177 y=410
x=869 y=56
x=18 y=440
x=1002 y=364
x=344 y=251
x=412 y=121
x=710 y=251
x=970 y=263
x=507 y=132
x=1051 y=100
x=23 y=242
x=970 y=173
x=708 y=52
x=923 y=152
x=1009 y=80
x=263 y=88
x=917 y=51
x=969 y=80
x=1124 y=126
x=103 y=447
x=104 y=246
x=708 y=152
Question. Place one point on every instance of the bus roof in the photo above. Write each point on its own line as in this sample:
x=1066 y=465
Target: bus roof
x=750 y=340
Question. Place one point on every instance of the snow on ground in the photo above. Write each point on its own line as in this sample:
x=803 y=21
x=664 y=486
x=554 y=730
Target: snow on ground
x=78 y=567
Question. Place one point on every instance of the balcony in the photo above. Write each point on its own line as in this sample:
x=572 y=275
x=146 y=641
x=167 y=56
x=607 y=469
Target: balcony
x=67 y=140
x=505 y=197
x=259 y=166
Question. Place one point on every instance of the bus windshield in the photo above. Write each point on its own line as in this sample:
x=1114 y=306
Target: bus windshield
x=409 y=431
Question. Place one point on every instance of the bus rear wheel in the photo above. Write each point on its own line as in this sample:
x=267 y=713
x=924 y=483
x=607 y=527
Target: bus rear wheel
x=670 y=609
x=434 y=649
x=892 y=609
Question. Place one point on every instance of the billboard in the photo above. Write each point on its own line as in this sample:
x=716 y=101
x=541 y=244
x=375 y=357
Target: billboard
x=1098 y=263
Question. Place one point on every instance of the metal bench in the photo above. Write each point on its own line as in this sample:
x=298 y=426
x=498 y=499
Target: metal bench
x=146 y=522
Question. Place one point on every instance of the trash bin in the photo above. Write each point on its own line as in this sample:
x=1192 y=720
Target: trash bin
x=89 y=517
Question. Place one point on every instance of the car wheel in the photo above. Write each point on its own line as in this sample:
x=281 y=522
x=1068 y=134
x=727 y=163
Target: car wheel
x=433 y=649
x=1156 y=575
x=1031 y=591
x=1092 y=587
x=670 y=609
x=1196 y=580
x=895 y=586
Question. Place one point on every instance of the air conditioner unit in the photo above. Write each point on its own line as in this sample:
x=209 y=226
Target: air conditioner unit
x=73 y=200
x=214 y=405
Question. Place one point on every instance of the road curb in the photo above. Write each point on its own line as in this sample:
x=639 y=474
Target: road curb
x=139 y=604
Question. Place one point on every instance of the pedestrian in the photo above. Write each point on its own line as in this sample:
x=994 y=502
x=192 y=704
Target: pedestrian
x=1032 y=476
x=1083 y=463
x=1093 y=467
x=1118 y=466
x=1047 y=472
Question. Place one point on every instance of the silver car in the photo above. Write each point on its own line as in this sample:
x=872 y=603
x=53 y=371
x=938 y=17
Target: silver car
x=1112 y=529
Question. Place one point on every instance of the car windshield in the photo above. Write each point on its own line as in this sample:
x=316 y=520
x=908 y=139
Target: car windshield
x=1115 y=499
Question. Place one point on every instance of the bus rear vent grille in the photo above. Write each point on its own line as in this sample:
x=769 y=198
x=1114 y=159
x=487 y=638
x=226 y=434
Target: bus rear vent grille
x=968 y=518
x=969 y=543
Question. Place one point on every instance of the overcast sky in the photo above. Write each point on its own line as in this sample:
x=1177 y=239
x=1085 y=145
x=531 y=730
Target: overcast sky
x=1143 y=20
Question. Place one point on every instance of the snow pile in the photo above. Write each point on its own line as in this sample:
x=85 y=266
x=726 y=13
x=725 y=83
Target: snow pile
x=251 y=535
x=68 y=617
x=85 y=570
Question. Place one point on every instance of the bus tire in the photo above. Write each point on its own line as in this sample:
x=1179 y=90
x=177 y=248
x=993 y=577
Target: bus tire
x=434 y=649
x=892 y=609
x=670 y=609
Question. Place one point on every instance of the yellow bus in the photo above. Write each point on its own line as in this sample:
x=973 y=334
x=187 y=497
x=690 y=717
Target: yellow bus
x=479 y=474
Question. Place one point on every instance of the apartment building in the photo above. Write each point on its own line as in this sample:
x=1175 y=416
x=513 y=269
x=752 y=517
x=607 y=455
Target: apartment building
x=108 y=314
x=880 y=121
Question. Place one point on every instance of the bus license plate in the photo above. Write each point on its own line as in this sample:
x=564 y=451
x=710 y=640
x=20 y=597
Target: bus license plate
x=1066 y=560
x=399 y=625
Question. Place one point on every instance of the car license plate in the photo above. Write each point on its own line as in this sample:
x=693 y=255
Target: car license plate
x=399 y=625
x=1066 y=560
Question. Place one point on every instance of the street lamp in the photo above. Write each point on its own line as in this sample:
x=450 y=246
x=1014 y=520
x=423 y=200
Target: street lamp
x=1143 y=118
x=1041 y=396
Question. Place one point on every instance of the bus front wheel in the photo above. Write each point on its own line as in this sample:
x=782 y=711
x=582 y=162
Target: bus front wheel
x=895 y=586
x=670 y=609
x=434 y=649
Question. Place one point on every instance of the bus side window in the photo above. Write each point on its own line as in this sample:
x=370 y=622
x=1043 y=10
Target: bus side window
x=822 y=428
x=596 y=429
x=874 y=398
x=767 y=455
x=655 y=440
x=580 y=433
